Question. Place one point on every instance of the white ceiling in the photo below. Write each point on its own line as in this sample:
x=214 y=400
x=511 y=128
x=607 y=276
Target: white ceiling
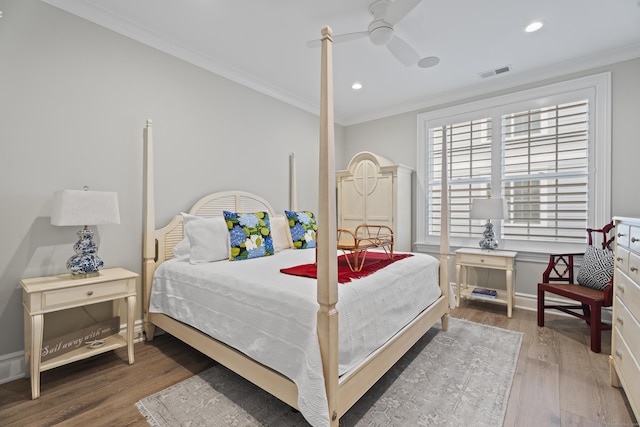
x=262 y=44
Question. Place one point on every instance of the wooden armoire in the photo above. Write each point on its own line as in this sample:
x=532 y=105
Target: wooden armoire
x=374 y=190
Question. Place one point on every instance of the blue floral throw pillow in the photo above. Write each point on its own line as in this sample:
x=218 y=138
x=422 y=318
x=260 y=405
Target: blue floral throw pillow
x=303 y=229
x=249 y=235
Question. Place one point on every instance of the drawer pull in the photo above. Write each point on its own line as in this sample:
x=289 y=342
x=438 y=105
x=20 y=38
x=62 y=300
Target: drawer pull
x=621 y=287
x=634 y=269
x=619 y=353
x=89 y=293
x=619 y=259
x=634 y=239
x=481 y=259
x=620 y=320
x=621 y=234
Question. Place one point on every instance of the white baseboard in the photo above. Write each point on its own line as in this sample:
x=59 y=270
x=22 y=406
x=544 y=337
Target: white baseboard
x=527 y=302
x=12 y=365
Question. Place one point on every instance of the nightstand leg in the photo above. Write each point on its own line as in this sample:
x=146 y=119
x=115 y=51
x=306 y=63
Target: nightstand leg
x=510 y=292
x=457 y=285
x=131 y=305
x=37 y=327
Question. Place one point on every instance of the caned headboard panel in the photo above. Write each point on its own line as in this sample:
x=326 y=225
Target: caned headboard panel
x=234 y=201
x=166 y=238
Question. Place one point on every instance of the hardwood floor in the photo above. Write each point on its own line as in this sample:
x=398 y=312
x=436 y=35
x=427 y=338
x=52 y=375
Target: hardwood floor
x=558 y=381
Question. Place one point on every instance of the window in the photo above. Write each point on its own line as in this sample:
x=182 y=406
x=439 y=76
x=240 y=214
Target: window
x=546 y=151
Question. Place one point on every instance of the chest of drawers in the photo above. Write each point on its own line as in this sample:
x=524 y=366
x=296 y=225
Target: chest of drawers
x=625 y=338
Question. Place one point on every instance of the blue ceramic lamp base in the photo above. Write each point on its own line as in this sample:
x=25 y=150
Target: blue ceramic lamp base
x=86 y=261
x=488 y=242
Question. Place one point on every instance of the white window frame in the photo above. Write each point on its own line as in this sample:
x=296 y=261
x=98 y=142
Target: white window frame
x=595 y=88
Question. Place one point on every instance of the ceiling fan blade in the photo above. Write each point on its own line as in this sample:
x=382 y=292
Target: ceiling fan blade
x=403 y=52
x=399 y=9
x=340 y=38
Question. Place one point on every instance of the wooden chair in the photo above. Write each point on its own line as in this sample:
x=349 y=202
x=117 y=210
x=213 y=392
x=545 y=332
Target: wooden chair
x=558 y=279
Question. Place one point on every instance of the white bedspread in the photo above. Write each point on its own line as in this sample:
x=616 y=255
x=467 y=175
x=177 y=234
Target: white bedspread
x=271 y=316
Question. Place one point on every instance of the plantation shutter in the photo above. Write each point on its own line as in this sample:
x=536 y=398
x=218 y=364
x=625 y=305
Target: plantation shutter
x=545 y=173
x=469 y=151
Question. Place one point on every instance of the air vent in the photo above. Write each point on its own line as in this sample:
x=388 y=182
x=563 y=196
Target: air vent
x=495 y=71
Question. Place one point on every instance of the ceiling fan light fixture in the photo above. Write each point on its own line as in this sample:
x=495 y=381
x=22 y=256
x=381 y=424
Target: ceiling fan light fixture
x=380 y=35
x=428 y=62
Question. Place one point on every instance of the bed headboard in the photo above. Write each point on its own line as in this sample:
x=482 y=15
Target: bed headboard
x=211 y=205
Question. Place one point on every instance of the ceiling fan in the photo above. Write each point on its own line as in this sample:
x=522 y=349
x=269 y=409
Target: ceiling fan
x=386 y=14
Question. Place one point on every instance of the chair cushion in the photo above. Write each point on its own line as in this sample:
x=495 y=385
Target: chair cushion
x=596 y=270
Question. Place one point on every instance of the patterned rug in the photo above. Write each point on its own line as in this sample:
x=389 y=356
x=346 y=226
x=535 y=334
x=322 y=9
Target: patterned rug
x=456 y=378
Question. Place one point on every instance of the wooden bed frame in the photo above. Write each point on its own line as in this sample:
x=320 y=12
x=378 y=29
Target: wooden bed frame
x=342 y=391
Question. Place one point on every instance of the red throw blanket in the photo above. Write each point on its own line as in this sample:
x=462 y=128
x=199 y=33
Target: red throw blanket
x=373 y=262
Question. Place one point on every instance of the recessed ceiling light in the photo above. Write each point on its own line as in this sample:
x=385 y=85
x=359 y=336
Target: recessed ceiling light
x=356 y=86
x=428 y=61
x=534 y=26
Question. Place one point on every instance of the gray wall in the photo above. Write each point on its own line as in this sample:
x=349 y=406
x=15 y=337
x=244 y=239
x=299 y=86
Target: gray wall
x=74 y=101
x=395 y=137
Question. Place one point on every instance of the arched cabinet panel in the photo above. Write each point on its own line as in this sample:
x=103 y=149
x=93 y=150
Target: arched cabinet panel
x=375 y=191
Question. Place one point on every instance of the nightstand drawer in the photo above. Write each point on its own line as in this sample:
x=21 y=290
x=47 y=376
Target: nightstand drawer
x=480 y=260
x=83 y=294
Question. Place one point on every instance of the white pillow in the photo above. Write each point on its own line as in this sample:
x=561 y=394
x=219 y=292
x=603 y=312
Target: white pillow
x=280 y=233
x=208 y=238
x=182 y=250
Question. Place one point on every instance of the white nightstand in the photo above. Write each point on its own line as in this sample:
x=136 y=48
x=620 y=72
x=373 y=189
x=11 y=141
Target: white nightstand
x=492 y=259
x=53 y=293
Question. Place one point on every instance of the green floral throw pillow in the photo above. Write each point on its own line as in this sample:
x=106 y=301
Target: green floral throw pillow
x=249 y=235
x=303 y=228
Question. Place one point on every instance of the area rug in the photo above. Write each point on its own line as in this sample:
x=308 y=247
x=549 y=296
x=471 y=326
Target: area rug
x=460 y=377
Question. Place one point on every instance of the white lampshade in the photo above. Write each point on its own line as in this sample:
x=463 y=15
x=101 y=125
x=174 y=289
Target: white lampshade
x=488 y=209
x=84 y=207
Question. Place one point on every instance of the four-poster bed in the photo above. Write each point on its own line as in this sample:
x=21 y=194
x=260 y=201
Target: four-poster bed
x=342 y=380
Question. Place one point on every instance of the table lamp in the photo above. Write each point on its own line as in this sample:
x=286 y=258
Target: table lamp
x=84 y=208
x=488 y=209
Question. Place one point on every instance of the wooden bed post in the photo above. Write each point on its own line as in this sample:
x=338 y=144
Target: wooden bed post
x=444 y=228
x=293 y=191
x=327 y=244
x=148 y=241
